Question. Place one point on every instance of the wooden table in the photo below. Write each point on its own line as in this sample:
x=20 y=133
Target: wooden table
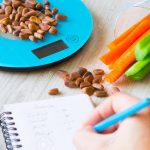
x=29 y=86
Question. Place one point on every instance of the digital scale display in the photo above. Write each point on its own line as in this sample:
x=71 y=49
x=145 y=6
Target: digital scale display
x=50 y=49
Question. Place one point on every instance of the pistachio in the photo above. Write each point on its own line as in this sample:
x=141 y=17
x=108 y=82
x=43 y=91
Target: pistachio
x=23 y=25
x=33 y=26
x=85 y=80
x=28 y=19
x=2 y=11
x=26 y=31
x=16 y=32
x=2 y=17
x=12 y=16
x=48 y=13
x=35 y=19
x=88 y=73
x=74 y=76
x=2 y=28
x=38 y=36
x=30 y=3
x=14 y=11
x=54 y=91
x=53 y=30
x=30 y=13
x=17 y=17
x=85 y=84
x=70 y=84
x=23 y=19
x=41 y=16
x=48 y=20
x=81 y=71
x=88 y=90
x=98 y=86
x=47 y=7
x=32 y=38
x=23 y=36
x=7 y=2
x=100 y=93
x=20 y=10
x=55 y=11
x=9 y=29
x=44 y=27
x=41 y=31
x=17 y=27
x=89 y=79
x=27 y=22
x=39 y=6
x=24 y=11
x=16 y=4
x=5 y=21
x=79 y=81
x=15 y=23
x=98 y=72
x=54 y=23
x=60 y=17
x=97 y=79
x=8 y=10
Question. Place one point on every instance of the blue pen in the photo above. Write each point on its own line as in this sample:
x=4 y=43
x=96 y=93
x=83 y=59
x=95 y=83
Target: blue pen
x=122 y=115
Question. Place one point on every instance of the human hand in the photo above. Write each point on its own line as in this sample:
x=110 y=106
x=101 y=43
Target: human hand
x=131 y=134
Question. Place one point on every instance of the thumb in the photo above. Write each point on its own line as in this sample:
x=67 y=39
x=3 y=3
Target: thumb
x=87 y=139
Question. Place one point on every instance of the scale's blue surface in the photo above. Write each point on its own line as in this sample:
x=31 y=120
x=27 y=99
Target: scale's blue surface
x=74 y=32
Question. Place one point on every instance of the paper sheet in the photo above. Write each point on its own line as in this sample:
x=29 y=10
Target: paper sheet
x=50 y=124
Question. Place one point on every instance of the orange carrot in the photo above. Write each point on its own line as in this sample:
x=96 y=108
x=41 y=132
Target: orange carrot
x=125 y=34
x=124 y=62
x=129 y=54
x=113 y=76
x=114 y=54
x=111 y=65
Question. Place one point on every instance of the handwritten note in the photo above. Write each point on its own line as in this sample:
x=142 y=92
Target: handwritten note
x=50 y=124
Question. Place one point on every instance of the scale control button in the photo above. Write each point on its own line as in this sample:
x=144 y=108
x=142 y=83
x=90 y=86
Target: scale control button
x=72 y=38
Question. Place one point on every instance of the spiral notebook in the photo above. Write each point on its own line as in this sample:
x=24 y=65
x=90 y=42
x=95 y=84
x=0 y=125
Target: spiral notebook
x=44 y=125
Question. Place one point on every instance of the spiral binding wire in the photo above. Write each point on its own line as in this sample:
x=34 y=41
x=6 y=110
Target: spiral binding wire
x=9 y=131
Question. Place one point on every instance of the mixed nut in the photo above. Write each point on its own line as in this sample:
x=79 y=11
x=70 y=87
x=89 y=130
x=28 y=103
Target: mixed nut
x=29 y=19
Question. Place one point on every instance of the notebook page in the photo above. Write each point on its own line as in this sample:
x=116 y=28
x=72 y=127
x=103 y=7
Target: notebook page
x=50 y=124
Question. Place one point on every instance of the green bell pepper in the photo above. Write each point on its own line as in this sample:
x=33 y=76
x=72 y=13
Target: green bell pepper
x=142 y=49
x=138 y=68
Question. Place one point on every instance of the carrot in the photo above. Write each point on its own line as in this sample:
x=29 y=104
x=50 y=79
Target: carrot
x=124 y=62
x=125 y=34
x=111 y=65
x=114 y=54
x=129 y=55
x=113 y=76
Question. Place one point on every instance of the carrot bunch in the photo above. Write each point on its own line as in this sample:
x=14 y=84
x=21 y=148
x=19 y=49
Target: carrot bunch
x=121 y=54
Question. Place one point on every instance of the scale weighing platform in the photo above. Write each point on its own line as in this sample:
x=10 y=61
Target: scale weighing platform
x=73 y=34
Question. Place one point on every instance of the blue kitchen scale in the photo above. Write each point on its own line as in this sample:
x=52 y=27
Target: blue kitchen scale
x=73 y=34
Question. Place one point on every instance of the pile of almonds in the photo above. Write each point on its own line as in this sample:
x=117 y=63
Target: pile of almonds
x=90 y=83
x=28 y=19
